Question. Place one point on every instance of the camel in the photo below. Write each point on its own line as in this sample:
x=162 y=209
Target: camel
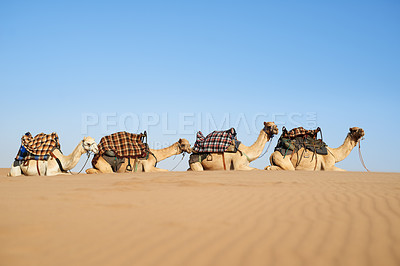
x=144 y=165
x=306 y=160
x=241 y=159
x=51 y=166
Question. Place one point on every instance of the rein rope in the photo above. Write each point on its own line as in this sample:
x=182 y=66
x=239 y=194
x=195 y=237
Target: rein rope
x=87 y=159
x=183 y=156
x=155 y=164
x=360 y=156
x=270 y=141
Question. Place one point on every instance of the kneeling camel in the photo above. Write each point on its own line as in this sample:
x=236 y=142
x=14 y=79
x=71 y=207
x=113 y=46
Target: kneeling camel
x=305 y=160
x=144 y=165
x=51 y=166
x=239 y=160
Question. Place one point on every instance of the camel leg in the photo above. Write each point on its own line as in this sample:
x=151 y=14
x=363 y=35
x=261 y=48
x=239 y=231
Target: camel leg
x=156 y=169
x=92 y=171
x=334 y=168
x=281 y=166
x=273 y=168
x=279 y=163
x=105 y=168
x=245 y=167
x=52 y=169
x=15 y=171
x=102 y=167
x=148 y=166
x=286 y=165
x=242 y=164
x=196 y=166
x=31 y=168
x=58 y=173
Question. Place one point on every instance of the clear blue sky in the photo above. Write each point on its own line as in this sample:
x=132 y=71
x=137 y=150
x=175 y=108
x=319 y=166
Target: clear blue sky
x=333 y=64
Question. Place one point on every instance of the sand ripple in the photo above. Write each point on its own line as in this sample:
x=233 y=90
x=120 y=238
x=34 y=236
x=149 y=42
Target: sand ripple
x=210 y=218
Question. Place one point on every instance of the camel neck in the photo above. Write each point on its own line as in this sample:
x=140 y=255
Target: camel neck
x=255 y=150
x=164 y=153
x=70 y=161
x=341 y=152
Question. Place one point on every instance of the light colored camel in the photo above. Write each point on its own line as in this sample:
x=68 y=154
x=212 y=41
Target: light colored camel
x=310 y=161
x=238 y=160
x=51 y=167
x=183 y=145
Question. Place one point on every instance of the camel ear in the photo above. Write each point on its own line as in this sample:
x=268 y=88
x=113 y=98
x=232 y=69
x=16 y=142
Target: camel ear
x=180 y=140
x=84 y=138
x=265 y=123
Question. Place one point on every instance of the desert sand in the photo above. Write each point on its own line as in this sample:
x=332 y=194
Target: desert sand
x=201 y=218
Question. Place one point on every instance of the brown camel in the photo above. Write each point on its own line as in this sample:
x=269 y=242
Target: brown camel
x=51 y=167
x=306 y=160
x=144 y=165
x=239 y=160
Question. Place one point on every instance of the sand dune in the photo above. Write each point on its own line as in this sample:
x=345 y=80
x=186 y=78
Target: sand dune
x=208 y=218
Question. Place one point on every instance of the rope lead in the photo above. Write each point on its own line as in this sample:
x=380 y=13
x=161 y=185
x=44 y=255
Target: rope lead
x=360 y=156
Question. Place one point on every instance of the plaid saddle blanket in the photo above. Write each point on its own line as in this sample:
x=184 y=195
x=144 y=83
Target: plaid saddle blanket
x=299 y=132
x=216 y=141
x=38 y=147
x=123 y=145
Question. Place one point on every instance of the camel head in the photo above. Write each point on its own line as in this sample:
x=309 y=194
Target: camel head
x=270 y=129
x=184 y=146
x=89 y=144
x=356 y=133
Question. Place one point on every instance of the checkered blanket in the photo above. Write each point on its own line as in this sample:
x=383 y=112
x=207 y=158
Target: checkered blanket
x=123 y=144
x=217 y=141
x=299 y=132
x=38 y=147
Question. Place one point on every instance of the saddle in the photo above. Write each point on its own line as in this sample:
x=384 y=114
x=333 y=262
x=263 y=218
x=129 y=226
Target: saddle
x=197 y=157
x=297 y=138
x=117 y=147
x=216 y=141
x=39 y=147
x=113 y=160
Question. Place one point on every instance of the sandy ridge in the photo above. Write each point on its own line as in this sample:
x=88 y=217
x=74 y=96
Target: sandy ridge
x=210 y=218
